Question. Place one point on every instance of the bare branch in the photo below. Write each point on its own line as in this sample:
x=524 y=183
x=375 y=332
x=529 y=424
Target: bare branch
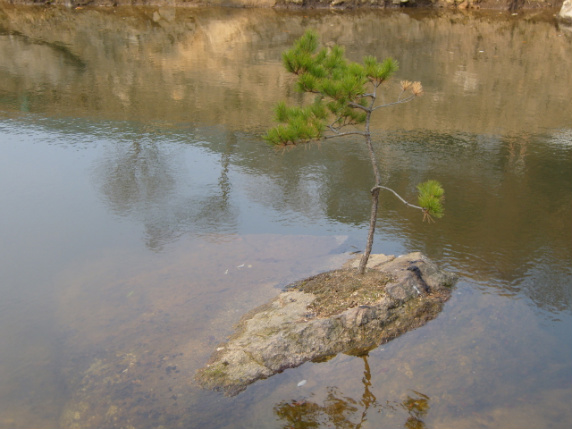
x=398 y=196
x=405 y=100
x=347 y=133
x=359 y=106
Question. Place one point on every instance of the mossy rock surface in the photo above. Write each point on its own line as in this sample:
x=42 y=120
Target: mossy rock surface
x=334 y=312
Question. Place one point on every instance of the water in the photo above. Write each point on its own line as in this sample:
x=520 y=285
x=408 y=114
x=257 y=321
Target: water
x=142 y=215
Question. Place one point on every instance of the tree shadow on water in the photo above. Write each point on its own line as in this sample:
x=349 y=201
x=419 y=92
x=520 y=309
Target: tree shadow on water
x=343 y=412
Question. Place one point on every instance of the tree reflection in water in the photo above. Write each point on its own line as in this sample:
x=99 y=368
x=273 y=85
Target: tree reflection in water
x=143 y=179
x=340 y=412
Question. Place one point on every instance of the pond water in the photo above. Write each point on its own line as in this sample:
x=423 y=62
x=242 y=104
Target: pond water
x=142 y=215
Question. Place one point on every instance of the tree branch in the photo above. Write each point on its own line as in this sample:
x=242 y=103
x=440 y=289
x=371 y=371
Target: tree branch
x=347 y=133
x=398 y=196
x=359 y=106
x=405 y=100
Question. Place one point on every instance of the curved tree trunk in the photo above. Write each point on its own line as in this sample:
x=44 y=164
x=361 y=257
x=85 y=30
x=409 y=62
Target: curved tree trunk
x=372 y=222
x=374 y=193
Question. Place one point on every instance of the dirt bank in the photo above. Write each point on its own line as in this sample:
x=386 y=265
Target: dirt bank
x=312 y=4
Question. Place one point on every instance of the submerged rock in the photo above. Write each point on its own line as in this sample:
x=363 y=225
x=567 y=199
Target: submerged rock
x=334 y=312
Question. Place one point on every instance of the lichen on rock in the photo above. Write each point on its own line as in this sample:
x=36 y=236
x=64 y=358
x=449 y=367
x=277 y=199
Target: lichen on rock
x=334 y=312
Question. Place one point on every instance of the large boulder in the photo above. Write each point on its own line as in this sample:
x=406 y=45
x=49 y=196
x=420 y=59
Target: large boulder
x=334 y=312
x=566 y=11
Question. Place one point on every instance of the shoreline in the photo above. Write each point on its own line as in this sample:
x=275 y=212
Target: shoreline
x=338 y=5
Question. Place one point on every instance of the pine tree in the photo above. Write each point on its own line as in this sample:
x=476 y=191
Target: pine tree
x=346 y=96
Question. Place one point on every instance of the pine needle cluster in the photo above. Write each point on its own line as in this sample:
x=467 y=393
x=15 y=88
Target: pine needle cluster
x=430 y=198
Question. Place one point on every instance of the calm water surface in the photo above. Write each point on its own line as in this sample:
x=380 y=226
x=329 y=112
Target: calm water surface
x=142 y=215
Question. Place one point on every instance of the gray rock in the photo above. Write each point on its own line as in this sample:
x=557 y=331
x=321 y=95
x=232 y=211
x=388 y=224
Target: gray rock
x=566 y=11
x=286 y=332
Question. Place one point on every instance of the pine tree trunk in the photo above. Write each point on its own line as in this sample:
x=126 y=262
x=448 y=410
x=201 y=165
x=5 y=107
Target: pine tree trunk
x=372 y=221
x=374 y=196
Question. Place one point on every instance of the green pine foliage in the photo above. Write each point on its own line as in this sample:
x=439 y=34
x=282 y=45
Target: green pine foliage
x=377 y=72
x=431 y=196
x=297 y=123
x=337 y=83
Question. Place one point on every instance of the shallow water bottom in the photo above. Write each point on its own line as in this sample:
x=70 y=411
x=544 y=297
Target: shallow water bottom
x=127 y=329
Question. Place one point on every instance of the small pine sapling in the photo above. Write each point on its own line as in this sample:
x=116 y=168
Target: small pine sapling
x=346 y=96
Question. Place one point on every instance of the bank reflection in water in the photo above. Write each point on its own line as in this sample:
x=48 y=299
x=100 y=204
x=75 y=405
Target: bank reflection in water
x=223 y=67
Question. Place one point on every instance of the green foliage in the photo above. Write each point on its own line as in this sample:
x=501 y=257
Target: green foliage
x=379 y=72
x=431 y=195
x=341 y=86
x=298 y=123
